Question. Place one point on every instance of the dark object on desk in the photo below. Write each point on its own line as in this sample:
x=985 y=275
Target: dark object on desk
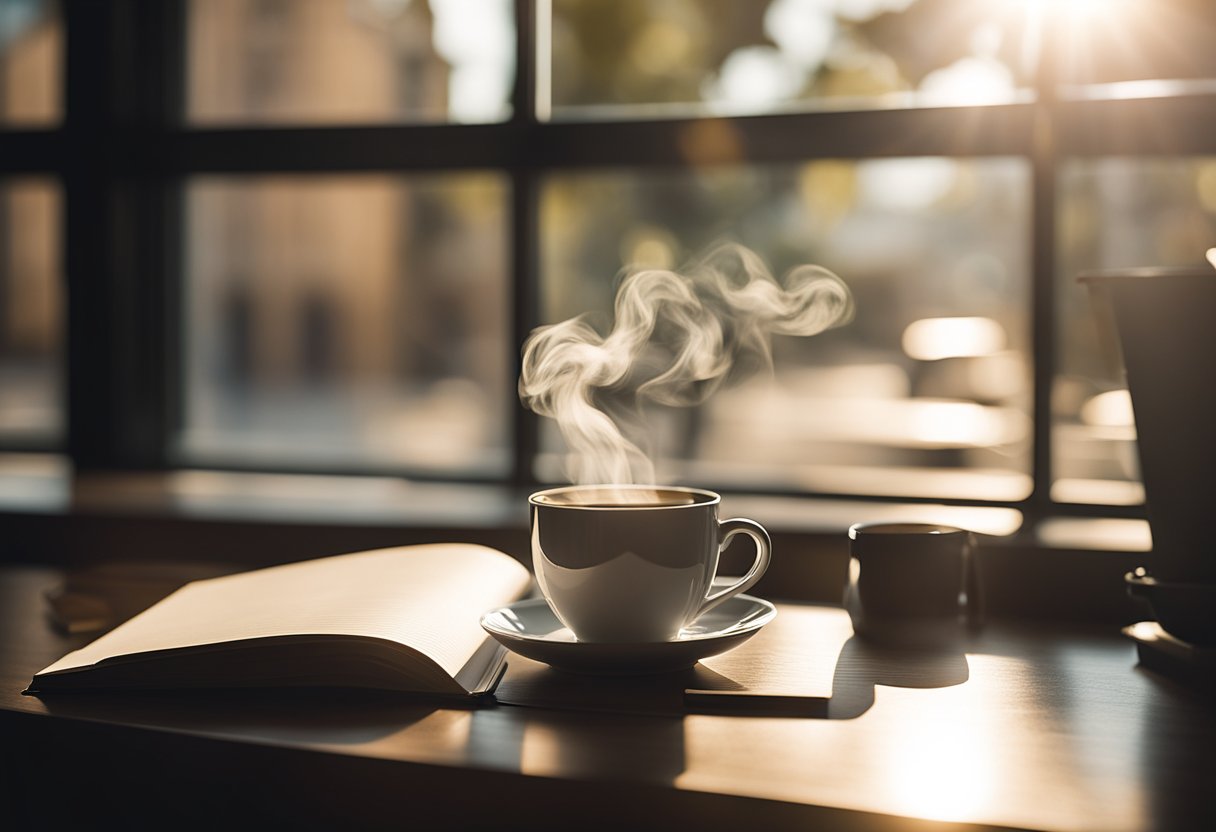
x=912 y=584
x=753 y=703
x=1168 y=655
x=1184 y=609
x=864 y=665
x=97 y=598
x=1164 y=321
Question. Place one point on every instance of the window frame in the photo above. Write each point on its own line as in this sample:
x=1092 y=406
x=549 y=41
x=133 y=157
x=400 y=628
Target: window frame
x=122 y=153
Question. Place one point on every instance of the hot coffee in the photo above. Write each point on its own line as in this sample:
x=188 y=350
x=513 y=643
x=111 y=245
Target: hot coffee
x=617 y=497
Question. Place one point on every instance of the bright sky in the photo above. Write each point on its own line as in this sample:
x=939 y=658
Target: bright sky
x=477 y=38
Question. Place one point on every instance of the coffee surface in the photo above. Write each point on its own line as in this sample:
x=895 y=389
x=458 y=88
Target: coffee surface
x=624 y=497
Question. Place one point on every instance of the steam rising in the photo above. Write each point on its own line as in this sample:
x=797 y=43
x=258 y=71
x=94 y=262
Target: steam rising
x=676 y=337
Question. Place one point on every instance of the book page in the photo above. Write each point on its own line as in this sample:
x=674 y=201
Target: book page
x=430 y=597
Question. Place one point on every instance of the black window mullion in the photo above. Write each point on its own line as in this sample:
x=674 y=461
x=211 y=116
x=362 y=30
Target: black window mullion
x=525 y=265
x=171 y=108
x=118 y=99
x=1043 y=311
x=999 y=130
x=93 y=400
x=1044 y=163
x=525 y=237
x=25 y=151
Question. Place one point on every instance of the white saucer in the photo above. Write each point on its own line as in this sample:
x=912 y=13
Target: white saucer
x=530 y=629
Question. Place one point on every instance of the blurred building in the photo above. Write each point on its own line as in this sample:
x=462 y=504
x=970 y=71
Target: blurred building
x=291 y=275
x=31 y=48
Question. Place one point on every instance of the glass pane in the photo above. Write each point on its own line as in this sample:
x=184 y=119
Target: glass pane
x=31 y=313
x=925 y=393
x=1131 y=48
x=357 y=321
x=756 y=56
x=324 y=61
x=31 y=57
x=1115 y=213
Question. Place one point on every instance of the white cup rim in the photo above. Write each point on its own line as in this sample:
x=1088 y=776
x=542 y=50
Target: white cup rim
x=704 y=497
x=884 y=529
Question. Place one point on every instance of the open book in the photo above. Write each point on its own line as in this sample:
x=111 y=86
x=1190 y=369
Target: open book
x=403 y=619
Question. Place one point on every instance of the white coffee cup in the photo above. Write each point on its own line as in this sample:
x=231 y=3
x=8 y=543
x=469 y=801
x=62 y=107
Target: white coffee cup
x=633 y=564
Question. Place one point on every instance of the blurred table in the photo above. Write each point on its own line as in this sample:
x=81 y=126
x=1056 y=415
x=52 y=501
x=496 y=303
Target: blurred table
x=1027 y=727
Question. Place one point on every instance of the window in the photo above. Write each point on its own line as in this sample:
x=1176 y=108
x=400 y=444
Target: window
x=932 y=246
x=30 y=312
x=362 y=61
x=348 y=320
x=1115 y=212
x=31 y=279
x=312 y=235
x=31 y=61
x=724 y=57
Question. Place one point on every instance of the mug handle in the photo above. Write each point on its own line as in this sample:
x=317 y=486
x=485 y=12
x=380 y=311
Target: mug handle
x=764 y=549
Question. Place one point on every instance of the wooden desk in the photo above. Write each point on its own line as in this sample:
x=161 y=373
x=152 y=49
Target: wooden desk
x=1031 y=728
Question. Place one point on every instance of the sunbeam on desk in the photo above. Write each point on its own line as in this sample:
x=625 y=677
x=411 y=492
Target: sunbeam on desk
x=944 y=766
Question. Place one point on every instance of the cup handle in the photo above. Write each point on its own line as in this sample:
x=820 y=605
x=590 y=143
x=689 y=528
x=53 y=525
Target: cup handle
x=764 y=548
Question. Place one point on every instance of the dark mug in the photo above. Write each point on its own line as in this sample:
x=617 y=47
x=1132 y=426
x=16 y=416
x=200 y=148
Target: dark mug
x=912 y=583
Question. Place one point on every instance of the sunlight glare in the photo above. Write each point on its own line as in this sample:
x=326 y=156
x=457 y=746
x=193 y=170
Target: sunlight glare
x=755 y=77
x=944 y=767
x=861 y=10
x=932 y=339
x=477 y=39
x=803 y=29
x=971 y=80
x=906 y=184
x=1110 y=409
x=963 y=424
x=1072 y=11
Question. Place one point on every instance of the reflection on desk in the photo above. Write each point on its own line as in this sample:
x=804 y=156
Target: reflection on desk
x=1025 y=727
